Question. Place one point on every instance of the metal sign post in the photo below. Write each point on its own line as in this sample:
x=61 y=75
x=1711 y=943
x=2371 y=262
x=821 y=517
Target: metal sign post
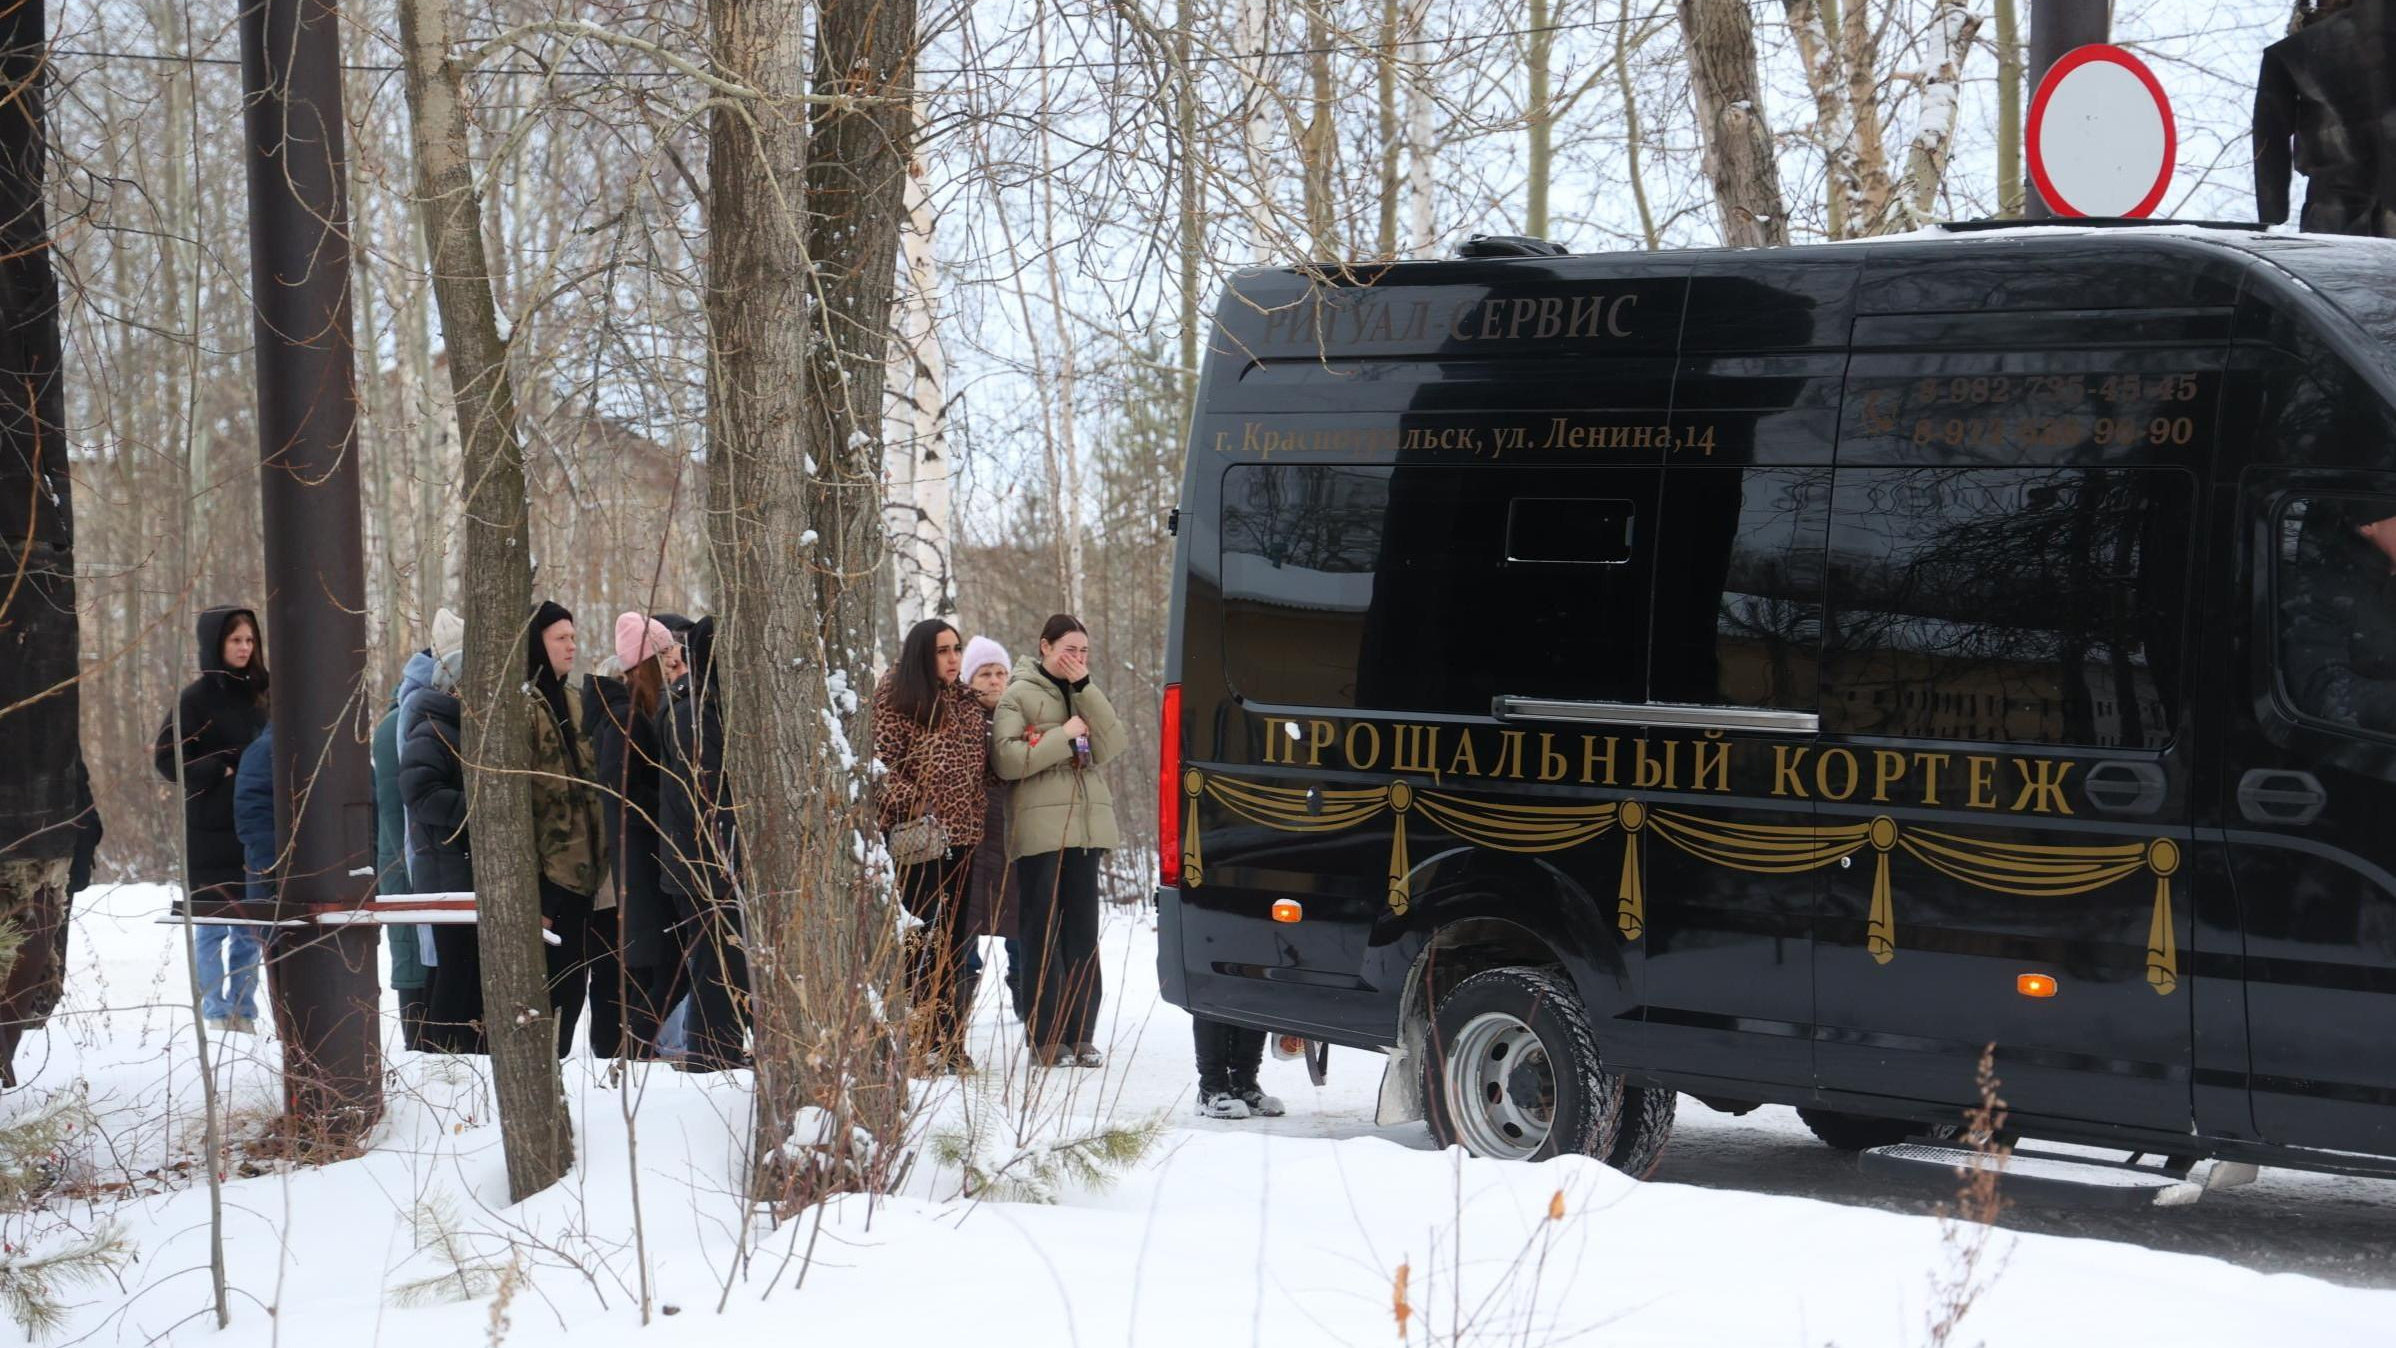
x=323 y=980
x=2056 y=27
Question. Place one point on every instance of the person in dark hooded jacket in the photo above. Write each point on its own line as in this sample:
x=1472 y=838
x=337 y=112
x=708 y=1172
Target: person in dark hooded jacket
x=432 y=783
x=634 y=960
x=699 y=855
x=566 y=824
x=220 y=712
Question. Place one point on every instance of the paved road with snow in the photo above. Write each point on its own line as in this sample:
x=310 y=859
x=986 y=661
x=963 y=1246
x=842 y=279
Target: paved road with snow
x=2331 y=1227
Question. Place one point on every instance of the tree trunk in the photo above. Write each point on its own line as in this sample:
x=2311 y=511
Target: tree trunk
x=1730 y=113
x=1631 y=134
x=1421 y=147
x=1860 y=54
x=804 y=232
x=1256 y=129
x=1393 y=149
x=919 y=480
x=2009 y=109
x=1933 y=141
x=1192 y=244
x=1834 y=125
x=1538 y=118
x=535 y=1131
x=1064 y=440
x=1321 y=150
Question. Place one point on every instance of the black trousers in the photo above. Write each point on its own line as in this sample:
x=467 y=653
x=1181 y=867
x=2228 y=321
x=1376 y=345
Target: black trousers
x=415 y=1005
x=715 y=974
x=453 y=1020
x=569 y=916
x=1228 y=1055
x=934 y=894
x=1058 y=922
x=627 y=1003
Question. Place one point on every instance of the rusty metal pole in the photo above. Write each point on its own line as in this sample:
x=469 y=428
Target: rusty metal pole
x=2056 y=27
x=323 y=980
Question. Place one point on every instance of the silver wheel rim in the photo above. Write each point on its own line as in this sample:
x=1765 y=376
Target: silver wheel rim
x=1501 y=1087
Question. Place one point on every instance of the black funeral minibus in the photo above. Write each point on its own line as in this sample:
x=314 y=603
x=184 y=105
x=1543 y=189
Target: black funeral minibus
x=1777 y=676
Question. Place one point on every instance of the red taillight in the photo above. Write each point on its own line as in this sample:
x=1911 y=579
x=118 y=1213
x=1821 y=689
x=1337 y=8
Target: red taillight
x=1168 y=792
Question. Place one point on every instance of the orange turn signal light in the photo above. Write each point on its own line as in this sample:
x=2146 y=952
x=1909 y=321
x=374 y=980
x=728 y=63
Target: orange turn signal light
x=1287 y=910
x=2035 y=985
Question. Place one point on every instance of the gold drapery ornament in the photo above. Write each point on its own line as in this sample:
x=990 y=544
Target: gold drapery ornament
x=2031 y=870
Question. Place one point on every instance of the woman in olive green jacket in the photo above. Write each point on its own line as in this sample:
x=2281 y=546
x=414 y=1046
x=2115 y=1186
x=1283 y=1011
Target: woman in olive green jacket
x=1053 y=730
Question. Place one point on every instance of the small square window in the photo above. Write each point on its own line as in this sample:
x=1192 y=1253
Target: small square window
x=1578 y=531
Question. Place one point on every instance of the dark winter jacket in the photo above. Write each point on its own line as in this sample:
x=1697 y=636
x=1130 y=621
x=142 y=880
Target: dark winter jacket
x=566 y=827
x=432 y=780
x=626 y=748
x=2322 y=102
x=222 y=712
x=254 y=815
x=391 y=837
x=88 y=833
x=692 y=801
x=990 y=884
x=414 y=677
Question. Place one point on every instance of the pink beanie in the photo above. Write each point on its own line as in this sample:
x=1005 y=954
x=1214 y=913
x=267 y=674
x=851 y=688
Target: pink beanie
x=638 y=638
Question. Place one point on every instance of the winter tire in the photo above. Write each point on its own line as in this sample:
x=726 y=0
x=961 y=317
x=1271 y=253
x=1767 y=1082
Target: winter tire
x=1646 y=1125
x=1514 y=1074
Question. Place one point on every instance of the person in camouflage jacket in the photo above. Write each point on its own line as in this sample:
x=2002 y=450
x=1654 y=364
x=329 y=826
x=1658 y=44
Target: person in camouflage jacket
x=568 y=830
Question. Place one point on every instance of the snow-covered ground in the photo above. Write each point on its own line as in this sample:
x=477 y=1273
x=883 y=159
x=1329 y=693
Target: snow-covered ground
x=1304 y=1230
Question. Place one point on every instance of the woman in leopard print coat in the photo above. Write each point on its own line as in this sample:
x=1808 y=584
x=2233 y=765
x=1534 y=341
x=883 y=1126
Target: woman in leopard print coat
x=934 y=745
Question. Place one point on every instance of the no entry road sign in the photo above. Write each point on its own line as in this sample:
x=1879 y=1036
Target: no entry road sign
x=2101 y=136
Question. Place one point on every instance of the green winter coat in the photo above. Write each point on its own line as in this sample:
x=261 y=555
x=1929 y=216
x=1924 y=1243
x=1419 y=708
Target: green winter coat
x=1056 y=803
x=567 y=827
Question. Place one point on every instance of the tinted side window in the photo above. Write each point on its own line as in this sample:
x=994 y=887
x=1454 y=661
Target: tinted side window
x=1739 y=587
x=2031 y=606
x=1435 y=587
x=2335 y=602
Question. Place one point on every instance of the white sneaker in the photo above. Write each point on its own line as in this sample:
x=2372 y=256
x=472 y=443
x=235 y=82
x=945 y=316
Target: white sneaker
x=1221 y=1105
x=1260 y=1104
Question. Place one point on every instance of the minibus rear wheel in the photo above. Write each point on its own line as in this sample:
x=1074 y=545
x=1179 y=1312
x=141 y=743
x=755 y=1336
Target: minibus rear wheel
x=1514 y=1072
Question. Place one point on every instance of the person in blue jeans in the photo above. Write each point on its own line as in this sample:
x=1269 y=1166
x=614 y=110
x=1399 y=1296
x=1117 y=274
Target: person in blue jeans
x=228 y=997
x=200 y=745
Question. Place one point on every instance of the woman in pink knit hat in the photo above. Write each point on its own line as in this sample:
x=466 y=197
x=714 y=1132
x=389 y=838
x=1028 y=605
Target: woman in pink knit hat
x=633 y=955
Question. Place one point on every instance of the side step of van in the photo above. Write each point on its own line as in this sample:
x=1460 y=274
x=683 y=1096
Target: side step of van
x=2057 y=1178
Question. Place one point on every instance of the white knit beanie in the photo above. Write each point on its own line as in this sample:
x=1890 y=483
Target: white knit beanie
x=449 y=633
x=983 y=651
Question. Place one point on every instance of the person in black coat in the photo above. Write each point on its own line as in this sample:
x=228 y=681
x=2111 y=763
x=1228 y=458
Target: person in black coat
x=698 y=853
x=635 y=962
x=220 y=712
x=432 y=782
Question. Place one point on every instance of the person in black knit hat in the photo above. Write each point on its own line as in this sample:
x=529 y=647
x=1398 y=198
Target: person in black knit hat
x=567 y=825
